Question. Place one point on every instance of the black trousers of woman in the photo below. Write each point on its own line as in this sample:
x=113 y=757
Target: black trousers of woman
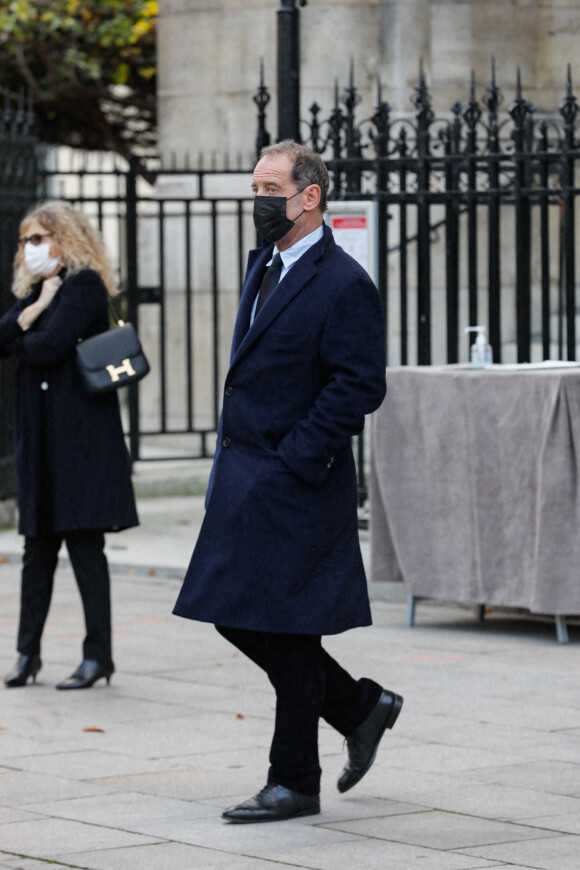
x=86 y=551
x=309 y=684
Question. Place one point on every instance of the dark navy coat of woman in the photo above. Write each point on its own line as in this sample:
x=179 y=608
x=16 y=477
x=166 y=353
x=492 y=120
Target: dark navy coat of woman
x=278 y=550
x=73 y=468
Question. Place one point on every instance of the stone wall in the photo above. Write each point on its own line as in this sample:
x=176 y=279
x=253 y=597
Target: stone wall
x=210 y=53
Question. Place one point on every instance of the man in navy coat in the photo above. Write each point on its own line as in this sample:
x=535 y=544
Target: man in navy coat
x=277 y=563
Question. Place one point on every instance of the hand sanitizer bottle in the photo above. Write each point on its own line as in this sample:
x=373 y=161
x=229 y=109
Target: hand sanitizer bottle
x=481 y=351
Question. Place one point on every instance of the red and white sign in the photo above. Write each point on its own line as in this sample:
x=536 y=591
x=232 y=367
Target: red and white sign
x=349 y=223
x=351 y=233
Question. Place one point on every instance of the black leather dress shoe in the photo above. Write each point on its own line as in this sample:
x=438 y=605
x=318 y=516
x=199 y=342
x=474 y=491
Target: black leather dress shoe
x=87 y=673
x=274 y=804
x=25 y=667
x=363 y=744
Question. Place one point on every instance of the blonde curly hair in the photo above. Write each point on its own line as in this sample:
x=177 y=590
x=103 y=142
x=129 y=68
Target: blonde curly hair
x=81 y=244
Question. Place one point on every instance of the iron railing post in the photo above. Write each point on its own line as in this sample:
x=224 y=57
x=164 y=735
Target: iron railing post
x=569 y=109
x=424 y=117
x=519 y=110
x=451 y=144
x=492 y=100
x=472 y=114
x=288 y=80
x=132 y=297
x=545 y=238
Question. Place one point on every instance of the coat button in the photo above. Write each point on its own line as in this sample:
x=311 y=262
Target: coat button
x=226 y=442
x=44 y=385
x=229 y=391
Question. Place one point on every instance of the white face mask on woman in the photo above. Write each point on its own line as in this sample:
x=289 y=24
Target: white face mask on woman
x=38 y=259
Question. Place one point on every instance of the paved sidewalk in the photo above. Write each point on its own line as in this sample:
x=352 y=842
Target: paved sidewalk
x=482 y=769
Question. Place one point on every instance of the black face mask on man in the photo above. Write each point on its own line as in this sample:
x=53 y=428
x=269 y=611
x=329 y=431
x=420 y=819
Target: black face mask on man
x=270 y=217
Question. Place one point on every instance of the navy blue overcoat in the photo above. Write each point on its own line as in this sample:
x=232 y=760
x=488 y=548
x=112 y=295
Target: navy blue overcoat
x=278 y=549
x=72 y=465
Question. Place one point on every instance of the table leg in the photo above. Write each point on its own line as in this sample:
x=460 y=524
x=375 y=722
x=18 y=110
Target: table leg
x=480 y=612
x=411 y=602
x=561 y=629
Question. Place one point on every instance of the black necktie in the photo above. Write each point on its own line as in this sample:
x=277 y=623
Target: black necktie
x=269 y=281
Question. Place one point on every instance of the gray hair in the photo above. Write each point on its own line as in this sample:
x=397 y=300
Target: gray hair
x=307 y=166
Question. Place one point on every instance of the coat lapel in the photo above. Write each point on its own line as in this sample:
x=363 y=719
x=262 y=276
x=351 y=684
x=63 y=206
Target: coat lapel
x=293 y=282
x=257 y=260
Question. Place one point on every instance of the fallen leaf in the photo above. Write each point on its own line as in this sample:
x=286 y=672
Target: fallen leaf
x=95 y=729
x=235 y=655
x=183 y=522
x=151 y=572
x=2 y=560
x=239 y=715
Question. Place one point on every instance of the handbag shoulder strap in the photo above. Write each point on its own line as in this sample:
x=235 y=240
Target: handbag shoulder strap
x=115 y=311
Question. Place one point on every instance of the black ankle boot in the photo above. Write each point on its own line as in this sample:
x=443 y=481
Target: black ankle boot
x=87 y=673
x=25 y=667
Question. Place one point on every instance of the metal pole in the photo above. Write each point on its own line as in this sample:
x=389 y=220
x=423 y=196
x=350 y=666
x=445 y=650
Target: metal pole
x=132 y=298
x=289 y=70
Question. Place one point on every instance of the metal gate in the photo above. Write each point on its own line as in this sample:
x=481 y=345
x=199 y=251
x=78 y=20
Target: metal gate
x=476 y=218
x=17 y=191
x=179 y=241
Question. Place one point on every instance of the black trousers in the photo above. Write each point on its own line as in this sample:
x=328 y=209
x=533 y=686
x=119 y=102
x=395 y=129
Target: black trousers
x=86 y=551
x=309 y=684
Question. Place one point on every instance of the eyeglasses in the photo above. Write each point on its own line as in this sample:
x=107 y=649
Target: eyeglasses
x=34 y=239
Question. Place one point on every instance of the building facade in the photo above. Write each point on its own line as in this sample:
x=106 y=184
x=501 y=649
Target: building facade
x=210 y=53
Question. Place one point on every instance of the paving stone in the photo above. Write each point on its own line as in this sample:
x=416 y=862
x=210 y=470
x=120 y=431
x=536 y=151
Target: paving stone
x=568 y=824
x=27 y=790
x=128 y=811
x=373 y=854
x=447 y=759
x=53 y=838
x=8 y=814
x=548 y=776
x=169 y=856
x=439 y=830
x=258 y=841
x=190 y=785
x=11 y=863
x=465 y=781
x=556 y=853
x=25 y=864
x=459 y=794
x=85 y=765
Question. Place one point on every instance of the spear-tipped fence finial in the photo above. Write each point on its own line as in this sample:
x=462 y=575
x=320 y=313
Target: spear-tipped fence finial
x=520 y=109
x=492 y=98
x=472 y=112
x=422 y=99
x=568 y=108
x=261 y=99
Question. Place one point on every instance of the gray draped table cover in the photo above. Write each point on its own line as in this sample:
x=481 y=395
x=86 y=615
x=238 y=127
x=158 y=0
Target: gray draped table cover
x=475 y=486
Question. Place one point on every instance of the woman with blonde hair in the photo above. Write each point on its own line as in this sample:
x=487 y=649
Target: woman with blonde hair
x=72 y=465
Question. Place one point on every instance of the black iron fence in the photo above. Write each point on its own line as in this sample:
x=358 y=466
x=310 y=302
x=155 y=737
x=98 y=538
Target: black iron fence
x=18 y=182
x=180 y=241
x=476 y=217
x=474 y=221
